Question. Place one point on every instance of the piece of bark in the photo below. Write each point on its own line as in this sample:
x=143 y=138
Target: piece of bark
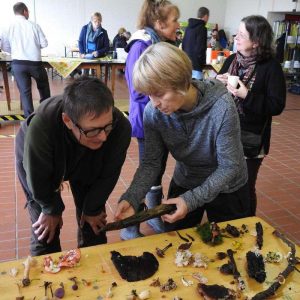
x=140 y=217
x=235 y=272
x=215 y=292
x=292 y=262
x=259 y=235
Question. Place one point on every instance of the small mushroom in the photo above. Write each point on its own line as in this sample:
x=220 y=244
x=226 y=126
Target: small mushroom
x=109 y=293
x=146 y=294
x=28 y=263
x=75 y=283
x=161 y=252
x=60 y=292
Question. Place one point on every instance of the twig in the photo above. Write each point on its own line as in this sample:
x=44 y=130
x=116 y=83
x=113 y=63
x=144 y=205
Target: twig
x=236 y=273
x=182 y=237
x=292 y=262
x=259 y=235
x=140 y=217
x=190 y=237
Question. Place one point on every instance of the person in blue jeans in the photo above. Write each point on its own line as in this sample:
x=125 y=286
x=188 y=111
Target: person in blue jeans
x=197 y=122
x=157 y=22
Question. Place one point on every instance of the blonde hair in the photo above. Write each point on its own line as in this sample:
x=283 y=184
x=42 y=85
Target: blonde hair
x=97 y=15
x=160 y=68
x=121 y=31
x=153 y=10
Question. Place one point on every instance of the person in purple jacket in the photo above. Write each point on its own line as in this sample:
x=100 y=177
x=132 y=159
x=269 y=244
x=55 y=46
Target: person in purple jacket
x=158 y=21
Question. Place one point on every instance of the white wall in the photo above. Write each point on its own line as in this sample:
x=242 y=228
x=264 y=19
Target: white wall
x=61 y=20
x=237 y=9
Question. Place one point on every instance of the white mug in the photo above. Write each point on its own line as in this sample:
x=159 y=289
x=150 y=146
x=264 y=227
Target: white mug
x=233 y=80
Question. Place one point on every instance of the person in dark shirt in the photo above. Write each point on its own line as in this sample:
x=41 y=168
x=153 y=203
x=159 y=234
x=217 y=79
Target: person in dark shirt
x=260 y=94
x=79 y=137
x=93 y=39
x=120 y=40
x=194 y=42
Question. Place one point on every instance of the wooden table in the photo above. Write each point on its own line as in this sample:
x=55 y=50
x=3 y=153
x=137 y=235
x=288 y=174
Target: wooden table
x=112 y=65
x=96 y=267
x=115 y=65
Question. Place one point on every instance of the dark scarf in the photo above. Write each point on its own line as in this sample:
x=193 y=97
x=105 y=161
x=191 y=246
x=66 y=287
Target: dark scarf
x=245 y=68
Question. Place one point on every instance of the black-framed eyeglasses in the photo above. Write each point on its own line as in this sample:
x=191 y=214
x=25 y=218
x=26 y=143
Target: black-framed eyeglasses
x=95 y=131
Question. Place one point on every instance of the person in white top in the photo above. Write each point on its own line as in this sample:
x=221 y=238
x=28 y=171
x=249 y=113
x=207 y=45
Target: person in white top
x=24 y=40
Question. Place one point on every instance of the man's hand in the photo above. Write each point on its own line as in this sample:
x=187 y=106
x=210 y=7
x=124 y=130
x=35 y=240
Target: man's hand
x=124 y=210
x=46 y=225
x=96 y=222
x=241 y=92
x=180 y=212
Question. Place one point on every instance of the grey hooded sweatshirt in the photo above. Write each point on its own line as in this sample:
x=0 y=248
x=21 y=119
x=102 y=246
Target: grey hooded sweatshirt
x=205 y=143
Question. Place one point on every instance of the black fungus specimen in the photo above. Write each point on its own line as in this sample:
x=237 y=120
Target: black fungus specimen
x=135 y=268
x=232 y=230
x=227 y=269
x=259 y=235
x=256 y=266
x=215 y=292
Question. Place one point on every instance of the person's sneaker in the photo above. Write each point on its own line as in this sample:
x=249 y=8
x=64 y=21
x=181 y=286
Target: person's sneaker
x=153 y=198
x=131 y=232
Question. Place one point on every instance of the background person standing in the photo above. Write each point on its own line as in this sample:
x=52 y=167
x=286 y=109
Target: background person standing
x=24 y=41
x=195 y=41
x=158 y=21
x=93 y=39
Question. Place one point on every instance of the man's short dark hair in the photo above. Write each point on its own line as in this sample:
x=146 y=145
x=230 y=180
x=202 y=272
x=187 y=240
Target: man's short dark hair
x=203 y=11
x=19 y=8
x=86 y=95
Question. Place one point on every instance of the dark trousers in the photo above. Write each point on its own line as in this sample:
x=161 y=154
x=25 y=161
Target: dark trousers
x=225 y=207
x=23 y=74
x=85 y=236
x=253 y=165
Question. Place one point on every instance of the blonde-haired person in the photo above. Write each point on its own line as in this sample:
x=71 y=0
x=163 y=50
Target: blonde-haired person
x=198 y=124
x=93 y=39
x=120 y=40
x=158 y=21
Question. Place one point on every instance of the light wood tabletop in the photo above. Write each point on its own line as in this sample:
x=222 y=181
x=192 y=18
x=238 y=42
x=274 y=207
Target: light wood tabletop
x=97 y=268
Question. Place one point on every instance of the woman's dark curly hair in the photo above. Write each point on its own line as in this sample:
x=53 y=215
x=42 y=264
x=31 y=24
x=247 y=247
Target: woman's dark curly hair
x=260 y=32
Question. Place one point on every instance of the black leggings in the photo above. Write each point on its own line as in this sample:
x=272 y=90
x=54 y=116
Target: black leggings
x=253 y=165
x=225 y=207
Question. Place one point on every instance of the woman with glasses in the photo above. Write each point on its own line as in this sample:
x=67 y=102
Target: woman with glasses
x=79 y=137
x=260 y=94
x=196 y=121
x=158 y=21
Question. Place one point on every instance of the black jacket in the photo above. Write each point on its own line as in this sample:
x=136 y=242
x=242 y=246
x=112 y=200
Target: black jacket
x=265 y=99
x=119 y=41
x=53 y=155
x=194 y=43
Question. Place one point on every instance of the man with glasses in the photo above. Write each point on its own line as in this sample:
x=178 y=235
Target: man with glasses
x=78 y=137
